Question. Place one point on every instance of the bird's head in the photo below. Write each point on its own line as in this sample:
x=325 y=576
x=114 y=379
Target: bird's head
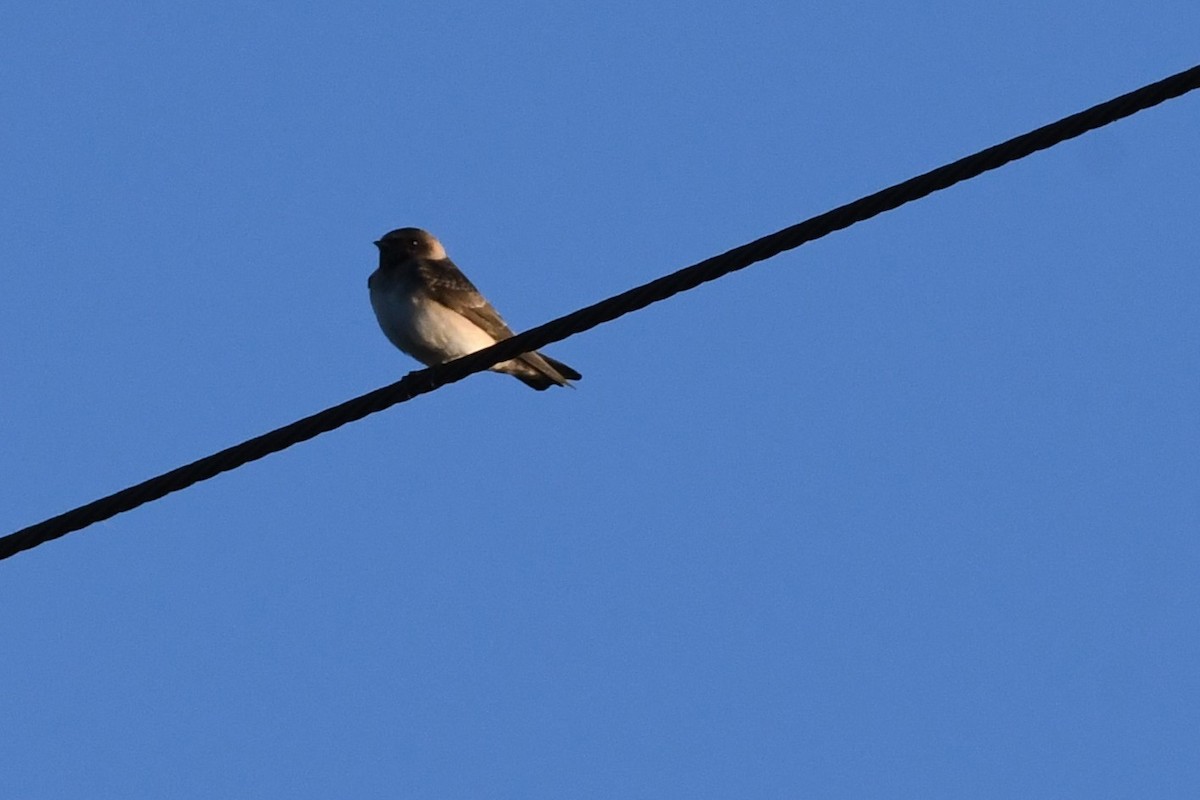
x=405 y=243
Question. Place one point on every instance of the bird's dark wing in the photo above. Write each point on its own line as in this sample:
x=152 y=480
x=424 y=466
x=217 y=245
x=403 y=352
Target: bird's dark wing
x=446 y=284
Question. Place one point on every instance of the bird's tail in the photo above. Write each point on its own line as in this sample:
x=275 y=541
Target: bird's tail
x=538 y=371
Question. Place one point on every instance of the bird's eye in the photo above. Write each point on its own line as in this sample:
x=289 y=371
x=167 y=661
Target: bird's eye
x=415 y=244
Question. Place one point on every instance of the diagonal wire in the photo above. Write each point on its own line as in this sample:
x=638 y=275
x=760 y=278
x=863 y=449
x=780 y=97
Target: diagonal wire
x=426 y=380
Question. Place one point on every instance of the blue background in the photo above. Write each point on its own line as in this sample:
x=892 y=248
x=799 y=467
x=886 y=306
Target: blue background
x=909 y=512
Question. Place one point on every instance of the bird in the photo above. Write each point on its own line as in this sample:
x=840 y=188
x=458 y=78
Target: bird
x=428 y=308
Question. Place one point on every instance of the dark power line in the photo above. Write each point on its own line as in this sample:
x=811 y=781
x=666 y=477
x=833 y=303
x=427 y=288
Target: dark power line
x=426 y=380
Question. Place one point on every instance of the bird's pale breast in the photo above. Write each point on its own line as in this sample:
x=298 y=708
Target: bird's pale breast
x=422 y=327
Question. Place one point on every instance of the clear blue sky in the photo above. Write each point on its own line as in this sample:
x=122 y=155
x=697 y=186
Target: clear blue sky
x=909 y=512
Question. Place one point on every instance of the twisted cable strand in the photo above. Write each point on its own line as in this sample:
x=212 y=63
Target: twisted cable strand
x=427 y=380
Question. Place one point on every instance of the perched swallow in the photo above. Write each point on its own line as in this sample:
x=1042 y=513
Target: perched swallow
x=428 y=308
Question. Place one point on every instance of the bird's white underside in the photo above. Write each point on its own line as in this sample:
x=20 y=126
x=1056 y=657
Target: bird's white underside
x=425 y=325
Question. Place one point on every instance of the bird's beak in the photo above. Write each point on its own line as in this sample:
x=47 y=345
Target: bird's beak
x=379 y=244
